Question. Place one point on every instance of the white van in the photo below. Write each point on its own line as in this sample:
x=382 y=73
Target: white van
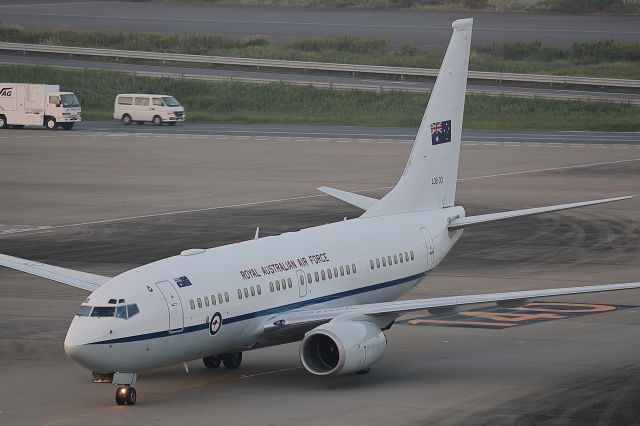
x=157 y=109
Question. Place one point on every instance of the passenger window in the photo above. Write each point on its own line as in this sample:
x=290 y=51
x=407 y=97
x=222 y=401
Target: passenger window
x=335 y=272
x=377 y=262
x=329 y=273
x=401 y=260
x=220 y=297
x=213 y=299
x=226 y=296
x=342 y=271
x=192 y=303
x=141 y=101
x=253 y=291
x=395 y=259
x=323 y=275
x=412 y=255
x=258 y=289
x=309 y=279
x=278 y=285
x=389 y=260
x=246 y=292
x=239 y=294
x=301 y=279
x=206 y=301
x=125 y=100
x=384 y=261
x=199 y=303
x=157 y=101
x=317 y=276
x=271 y=286
x=290 y=282
x=406 y=256
x=132 y=310
x=353 y=267
x=121 y=312
x=371 y=263
x=348 y=270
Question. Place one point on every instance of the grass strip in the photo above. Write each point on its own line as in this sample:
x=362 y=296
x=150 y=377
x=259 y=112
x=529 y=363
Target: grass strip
x=234 y=102
x=592 y=59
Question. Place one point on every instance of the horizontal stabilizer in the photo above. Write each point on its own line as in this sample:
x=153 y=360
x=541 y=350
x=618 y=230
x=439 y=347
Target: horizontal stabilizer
x=70 y=277
x=483 y=218
x=357 y=200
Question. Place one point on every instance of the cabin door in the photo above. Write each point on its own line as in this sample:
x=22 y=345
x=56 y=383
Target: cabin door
x=176 y=316
x=302 y=282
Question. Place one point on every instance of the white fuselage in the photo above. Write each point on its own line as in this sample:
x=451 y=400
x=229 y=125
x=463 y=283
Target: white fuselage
x=175 y=321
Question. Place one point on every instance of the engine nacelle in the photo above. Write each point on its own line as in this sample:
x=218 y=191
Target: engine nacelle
x=342 y=347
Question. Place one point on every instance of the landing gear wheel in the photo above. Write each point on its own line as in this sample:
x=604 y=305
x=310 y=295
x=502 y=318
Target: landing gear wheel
x=126 y=395
x=157 y=120
x=211 y=361
x=51 y=123
x=232 y=360
x=126 y=119
x=67 y=126
x=3 y=122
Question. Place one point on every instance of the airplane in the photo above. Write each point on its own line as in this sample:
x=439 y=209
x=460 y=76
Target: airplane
x=332 y=287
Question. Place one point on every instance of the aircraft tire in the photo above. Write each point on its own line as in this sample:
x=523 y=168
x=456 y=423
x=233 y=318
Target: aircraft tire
x=232 y=360
x=212 y=361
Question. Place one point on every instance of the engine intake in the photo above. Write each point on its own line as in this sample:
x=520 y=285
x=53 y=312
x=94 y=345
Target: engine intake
x=342 y=347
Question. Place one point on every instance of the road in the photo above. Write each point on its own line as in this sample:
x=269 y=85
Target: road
x=369 y=83
x=113 y=198
x=424 y=29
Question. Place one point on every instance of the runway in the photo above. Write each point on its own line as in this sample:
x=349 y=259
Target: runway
x=106 y=197
x=423 y=29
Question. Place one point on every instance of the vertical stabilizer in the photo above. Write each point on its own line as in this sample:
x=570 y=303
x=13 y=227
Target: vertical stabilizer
x=429 y=178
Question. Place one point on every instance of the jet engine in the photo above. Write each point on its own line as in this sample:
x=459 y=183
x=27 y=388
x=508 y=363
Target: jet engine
x=342 y=347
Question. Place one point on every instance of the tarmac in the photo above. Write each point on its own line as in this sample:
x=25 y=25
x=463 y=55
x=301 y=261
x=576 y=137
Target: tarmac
x=104 y=200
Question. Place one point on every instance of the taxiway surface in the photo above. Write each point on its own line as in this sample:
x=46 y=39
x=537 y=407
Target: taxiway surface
x=105 y=200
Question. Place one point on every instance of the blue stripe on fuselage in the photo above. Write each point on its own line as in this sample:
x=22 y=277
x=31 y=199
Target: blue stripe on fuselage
x=264 y=312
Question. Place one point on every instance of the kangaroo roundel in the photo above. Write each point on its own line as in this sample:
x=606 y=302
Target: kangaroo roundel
x=215 y=324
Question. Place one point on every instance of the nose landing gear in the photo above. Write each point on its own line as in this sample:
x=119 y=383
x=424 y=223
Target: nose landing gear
x=126 y=395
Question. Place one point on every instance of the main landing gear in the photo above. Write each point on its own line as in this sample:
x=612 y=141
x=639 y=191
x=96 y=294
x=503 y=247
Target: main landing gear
x=126 y=395
x=231 y=361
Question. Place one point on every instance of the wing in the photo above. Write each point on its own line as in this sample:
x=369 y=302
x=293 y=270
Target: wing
x=305 y=319
x=70 y=277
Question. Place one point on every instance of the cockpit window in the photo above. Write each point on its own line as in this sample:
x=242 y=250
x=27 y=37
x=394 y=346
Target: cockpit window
x=103 y=311
x=122 y=311
x=84 y=311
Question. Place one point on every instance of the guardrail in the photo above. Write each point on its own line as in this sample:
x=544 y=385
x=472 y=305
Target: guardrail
x=380 y=88
x=315 y=66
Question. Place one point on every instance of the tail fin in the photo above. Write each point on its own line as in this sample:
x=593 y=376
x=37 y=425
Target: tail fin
x=429 y=178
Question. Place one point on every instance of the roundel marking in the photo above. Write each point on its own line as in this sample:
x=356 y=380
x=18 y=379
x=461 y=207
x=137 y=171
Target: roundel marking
x=215 y=324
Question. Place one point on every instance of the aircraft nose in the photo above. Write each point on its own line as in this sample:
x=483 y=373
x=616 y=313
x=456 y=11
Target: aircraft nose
x=78 y=345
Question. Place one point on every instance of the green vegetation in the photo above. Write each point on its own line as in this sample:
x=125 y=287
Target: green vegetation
x=598 y=59
x=566 y=6
x=232 y=102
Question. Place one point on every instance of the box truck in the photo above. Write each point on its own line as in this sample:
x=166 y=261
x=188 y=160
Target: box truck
x=24 y=104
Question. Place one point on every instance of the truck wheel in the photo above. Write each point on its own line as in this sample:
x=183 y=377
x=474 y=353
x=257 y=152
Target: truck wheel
x=157 y=120
x=126 y=119
x=67 y=126
x=51 y=124
x=3 y=122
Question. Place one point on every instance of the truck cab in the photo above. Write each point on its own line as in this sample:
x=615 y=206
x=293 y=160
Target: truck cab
x=23 y=104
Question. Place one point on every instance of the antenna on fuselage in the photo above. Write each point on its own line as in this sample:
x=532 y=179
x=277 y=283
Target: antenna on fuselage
x=257 y=233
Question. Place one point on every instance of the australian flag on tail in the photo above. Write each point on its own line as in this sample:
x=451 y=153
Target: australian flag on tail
x=440 y=132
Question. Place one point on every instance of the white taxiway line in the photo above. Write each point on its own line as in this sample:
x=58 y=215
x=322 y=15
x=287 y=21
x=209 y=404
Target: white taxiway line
x=304 y=197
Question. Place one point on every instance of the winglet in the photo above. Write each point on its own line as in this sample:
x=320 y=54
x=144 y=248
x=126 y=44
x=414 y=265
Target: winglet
x=357 y=200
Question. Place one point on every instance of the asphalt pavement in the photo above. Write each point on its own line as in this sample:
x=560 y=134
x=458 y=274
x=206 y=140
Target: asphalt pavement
x=421 y=28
